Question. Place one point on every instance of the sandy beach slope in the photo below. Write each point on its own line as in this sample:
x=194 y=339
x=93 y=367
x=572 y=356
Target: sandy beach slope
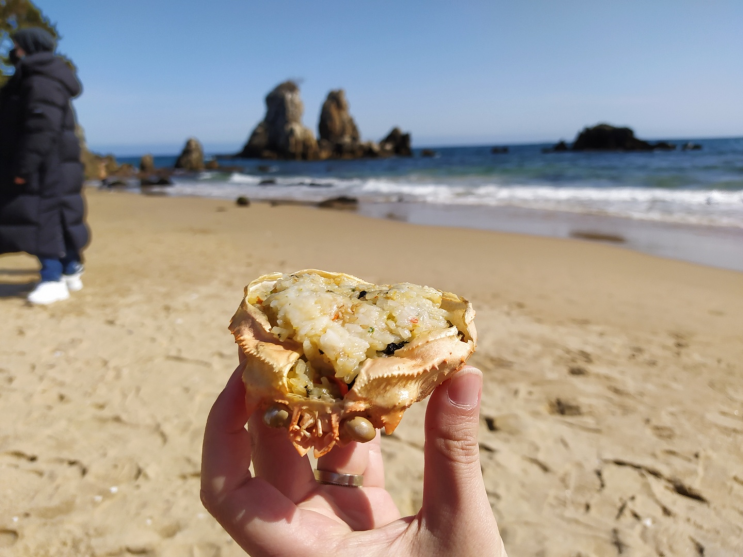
x=612 y=419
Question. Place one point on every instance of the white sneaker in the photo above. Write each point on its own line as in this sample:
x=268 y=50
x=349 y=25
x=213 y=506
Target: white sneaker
x=49 y=292
x=74 y=282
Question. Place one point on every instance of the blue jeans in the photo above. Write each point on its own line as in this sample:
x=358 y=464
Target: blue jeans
x=53 y=269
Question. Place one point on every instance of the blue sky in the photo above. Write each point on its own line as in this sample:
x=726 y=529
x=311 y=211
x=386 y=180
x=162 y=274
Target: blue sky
x=467 y=72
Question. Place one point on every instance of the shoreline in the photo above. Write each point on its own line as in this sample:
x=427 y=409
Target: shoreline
x=714 y=246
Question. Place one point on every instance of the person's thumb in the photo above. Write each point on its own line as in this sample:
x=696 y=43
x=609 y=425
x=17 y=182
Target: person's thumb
x=454 y=498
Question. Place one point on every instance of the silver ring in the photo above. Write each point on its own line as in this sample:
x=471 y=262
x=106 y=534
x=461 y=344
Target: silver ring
x=333 y=478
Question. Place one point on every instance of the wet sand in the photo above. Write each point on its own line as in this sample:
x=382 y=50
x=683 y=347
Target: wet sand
x=612 y=419
x=716 y=246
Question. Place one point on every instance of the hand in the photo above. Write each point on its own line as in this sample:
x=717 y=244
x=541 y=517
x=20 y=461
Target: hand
x=19 y=181
x=283 y=512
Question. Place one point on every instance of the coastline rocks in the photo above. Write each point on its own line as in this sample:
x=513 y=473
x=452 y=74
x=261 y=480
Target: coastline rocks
x=336 y=127
x=155 y=180
x=343 y=202
x=281 y=134
x=396 y=143
x=560 y=147
x=609 y=138
x=100 y=167
x=149 y=176
x=604 y=137
x=192 y=156
x=691 y=147
x=147 y=164
x=499 y=150
x=428 y=153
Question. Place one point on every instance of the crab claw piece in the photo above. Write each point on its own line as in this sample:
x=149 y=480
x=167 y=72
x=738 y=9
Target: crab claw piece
x=358 y=429
x=276 y=415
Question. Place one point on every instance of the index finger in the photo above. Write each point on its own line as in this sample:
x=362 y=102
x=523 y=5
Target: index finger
x=225 y=456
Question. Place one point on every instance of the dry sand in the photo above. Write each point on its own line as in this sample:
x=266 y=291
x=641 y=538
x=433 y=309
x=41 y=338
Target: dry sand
x=612 y=420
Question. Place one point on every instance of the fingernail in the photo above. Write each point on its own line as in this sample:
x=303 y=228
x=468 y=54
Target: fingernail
x=464 y=389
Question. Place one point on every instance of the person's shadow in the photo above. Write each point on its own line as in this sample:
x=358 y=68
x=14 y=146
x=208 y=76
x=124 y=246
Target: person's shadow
x=17 y=289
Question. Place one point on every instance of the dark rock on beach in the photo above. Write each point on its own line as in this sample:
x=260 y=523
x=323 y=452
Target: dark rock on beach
x=192 y=156
x=281 y=134
x=342 y=202
x=242 y=201
x=155 y=180
x=150 y=176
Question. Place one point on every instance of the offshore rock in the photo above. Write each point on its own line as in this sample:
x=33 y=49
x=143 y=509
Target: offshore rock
x=147 y=164
x=281 y=134
x=396 y=143
x=691 y=147
x=605 y=137
x=192 y=156
x=339 y=135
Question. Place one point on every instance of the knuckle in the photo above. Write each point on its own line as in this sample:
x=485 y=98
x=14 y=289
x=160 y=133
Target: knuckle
x=207 y=499
x=458 y=447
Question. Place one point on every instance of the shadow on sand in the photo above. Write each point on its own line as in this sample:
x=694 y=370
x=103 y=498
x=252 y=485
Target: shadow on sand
x=17 y=289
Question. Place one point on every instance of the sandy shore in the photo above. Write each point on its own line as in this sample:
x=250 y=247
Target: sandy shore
x=612 y=417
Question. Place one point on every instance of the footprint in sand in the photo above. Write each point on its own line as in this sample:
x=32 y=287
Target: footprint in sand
x=8 y=538
x=564 y=408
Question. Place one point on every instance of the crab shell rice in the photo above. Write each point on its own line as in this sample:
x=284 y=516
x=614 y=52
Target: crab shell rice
x=327 y=347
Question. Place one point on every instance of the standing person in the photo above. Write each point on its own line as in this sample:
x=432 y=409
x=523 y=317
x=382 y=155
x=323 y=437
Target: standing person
x=41 y=177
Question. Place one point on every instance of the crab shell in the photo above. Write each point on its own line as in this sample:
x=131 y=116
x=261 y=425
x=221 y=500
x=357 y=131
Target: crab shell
x=384 y=388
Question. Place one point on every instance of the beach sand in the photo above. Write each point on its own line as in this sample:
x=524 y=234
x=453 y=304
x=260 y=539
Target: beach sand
x=612 y=414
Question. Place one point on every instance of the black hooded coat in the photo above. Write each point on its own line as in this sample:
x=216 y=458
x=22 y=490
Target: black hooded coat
x=38 y=144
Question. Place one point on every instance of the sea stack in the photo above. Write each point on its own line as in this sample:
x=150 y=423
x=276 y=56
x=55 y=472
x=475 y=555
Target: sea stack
x=192 y=156
x=281 y=134
x=396 y=143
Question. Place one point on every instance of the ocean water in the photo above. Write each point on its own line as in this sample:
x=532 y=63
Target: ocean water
x=693 y=187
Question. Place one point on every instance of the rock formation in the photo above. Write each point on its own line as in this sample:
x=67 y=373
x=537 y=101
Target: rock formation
x=339 y=135
x=281 y=133
x=192 y=156
x=604 y=137
x=691 y=147
x=147 y=164
x=396 y=143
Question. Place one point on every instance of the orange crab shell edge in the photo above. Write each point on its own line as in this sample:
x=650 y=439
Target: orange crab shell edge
x=383 y=389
